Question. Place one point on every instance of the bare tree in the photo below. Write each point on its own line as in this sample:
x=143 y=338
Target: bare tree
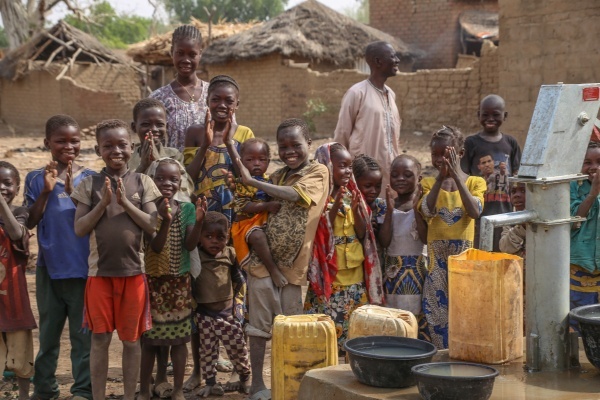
x=21 y=20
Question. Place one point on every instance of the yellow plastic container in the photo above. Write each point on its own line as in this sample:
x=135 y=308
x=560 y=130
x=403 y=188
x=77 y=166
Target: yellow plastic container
x=485 y=307
x=300 y=343
x=376 y=320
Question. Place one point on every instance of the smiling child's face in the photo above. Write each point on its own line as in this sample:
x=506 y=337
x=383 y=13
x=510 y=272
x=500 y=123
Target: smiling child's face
x=404 y=176
x=167 y=179
x=293 y=147
x=151 y=121
x=114 y=146
x=8 y=184
x=369 y=185
x=64 y=144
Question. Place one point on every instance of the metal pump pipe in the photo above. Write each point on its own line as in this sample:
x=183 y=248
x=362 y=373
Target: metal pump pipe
x=547 y=280
x=488 y=223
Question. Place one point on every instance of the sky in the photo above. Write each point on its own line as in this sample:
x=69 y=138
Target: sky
x=143 y=7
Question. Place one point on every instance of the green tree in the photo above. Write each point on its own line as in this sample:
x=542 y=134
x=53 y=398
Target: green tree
x=230 y=10
x=116 y=31
x=360 y=11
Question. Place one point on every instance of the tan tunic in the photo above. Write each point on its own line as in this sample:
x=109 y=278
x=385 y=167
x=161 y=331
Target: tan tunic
x=291 y=231
x=369 y=123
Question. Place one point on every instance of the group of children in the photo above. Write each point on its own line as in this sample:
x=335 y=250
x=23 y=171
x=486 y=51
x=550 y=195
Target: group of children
x=169 y=247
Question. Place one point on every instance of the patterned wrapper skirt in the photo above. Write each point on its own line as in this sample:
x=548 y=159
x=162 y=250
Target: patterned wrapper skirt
x=435 y=288
x=171 y=310
x=343 y=301
x=584 y=289
x=403 y=281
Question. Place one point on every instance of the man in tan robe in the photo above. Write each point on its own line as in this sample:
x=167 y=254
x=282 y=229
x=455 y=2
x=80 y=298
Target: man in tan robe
x=369 y=121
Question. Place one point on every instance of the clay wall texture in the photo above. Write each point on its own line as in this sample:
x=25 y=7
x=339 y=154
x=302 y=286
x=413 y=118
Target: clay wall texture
x=432 y=25
x=90 y=93
x=272 y=92
x=544 y=42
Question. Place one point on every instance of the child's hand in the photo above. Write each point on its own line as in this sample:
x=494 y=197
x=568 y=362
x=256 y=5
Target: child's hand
x=339 y=198
x=106 y=193
x=121 y=195
x=389 y=199
x=244 y=173
x=209 y=130
x=149 y=151
x=69 y=184
x=273 y=207
x=201 y=208
x=50 y=177
x=164 y=210
x=417 y=197
x=230 y=128
x=229 y=180
x=595 y=190
x=355 y=201
x=278 y=279
x=452 y=163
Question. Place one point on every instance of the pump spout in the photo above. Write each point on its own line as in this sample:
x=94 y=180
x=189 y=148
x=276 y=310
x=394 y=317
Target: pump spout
x=488 y=223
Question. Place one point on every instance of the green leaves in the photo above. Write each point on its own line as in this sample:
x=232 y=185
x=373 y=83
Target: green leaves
x=116 y=31
x=230 y=10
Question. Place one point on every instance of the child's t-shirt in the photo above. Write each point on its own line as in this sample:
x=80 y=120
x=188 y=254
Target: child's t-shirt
x=55 y=233
x=15 y=309
x=116 y=242
x=291 y=231
x=494 y=162
x=585 y=244
x=218 y=277
x=405 y=237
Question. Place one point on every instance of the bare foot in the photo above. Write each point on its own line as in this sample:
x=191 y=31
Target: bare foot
x=234 y=384
x=177 y=395
x=192 y=382
x=143 y=396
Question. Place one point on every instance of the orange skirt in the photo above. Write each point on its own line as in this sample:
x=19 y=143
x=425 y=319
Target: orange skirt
x=241 y=230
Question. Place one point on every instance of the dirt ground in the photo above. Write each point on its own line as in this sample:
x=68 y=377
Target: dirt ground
x=28 y=153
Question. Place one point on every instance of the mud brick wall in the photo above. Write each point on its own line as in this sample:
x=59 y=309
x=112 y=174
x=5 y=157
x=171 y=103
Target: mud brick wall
x=432 y=25
x=544 y=42
x=89 y=93
x=272 y=91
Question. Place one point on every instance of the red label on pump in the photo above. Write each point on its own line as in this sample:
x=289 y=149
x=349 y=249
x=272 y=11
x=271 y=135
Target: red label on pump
x=591 y=93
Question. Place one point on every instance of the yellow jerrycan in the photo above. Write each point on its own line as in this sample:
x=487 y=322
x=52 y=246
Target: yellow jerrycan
x=485 y=316
x=300 y=343
x=376 y=320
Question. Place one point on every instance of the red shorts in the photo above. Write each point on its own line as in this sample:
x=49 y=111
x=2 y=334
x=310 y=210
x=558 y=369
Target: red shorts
x=118 y=303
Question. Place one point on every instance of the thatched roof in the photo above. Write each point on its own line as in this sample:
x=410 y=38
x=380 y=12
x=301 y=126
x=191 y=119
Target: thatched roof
x=309 y=30
x=480 y=24
x=62 y=43
x=157 y=49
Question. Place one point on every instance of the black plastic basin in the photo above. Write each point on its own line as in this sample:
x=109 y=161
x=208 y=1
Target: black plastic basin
x=588 y=318
x=455 y=381
x=385 y=361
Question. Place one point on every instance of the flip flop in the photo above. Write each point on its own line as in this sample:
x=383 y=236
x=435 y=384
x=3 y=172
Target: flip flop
x=264 y=394
x=163 y=390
